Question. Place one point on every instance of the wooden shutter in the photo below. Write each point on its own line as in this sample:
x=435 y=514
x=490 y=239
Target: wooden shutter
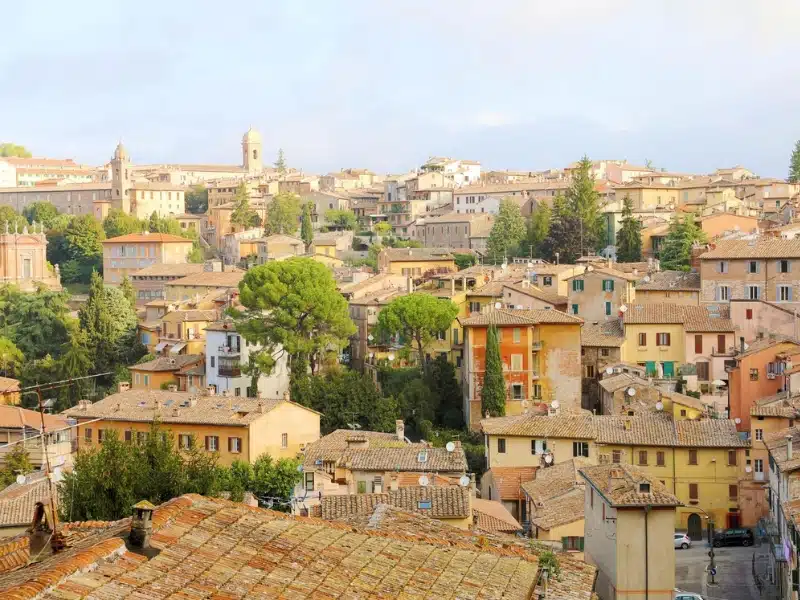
x=693 y=491
x=230 y=444
x=732 y=458
x=208 y=442
x=698 y=344
x=660 y=459
x=720 y=344
x=669 y=339
x=580 y=540
x=564 y=543
x=733 y=492
x=692 y=457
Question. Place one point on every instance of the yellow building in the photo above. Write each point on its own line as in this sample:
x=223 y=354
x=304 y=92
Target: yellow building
x=235 y=428
x=9 y=391
x=164 y=371
x=672 y=287
x=646 y=196
x=126 y=254
x=183 y=331
x=200 y=285
x=22 y=426
x=416 y=262
x=629 y=522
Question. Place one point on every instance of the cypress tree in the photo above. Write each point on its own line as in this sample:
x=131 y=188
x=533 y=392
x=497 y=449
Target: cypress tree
x=629 y=238
x=493 y=393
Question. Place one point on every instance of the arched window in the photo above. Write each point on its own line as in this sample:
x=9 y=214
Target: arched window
x=255 y=154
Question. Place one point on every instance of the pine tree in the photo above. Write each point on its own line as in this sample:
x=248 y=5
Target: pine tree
x=794 y=164
x=280 y=163
x=676 y=254
x=507 y=232
x=306 y=232
x=563 y=243
x=242 y=214
x=629 y=238
x=126 y=287
x=538 y=228
x=493 y=392
x=582 y=198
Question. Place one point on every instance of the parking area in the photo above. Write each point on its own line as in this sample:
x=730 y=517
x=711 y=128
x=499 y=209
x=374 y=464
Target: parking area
x=734 y=572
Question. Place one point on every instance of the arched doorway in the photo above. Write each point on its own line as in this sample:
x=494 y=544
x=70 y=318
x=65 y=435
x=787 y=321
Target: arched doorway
x=695 y=527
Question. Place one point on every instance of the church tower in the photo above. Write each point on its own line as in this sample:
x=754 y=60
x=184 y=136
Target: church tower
x=121 y=179
x=251 y=152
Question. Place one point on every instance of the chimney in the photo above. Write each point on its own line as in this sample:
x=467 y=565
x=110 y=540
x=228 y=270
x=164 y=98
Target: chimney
x=123 y=386
x=409 y=284
x=193 y=401
x=226 y=393
x=260 y=408
x=157 y=404
x=741 y=343
x=789 y=448
x=172 y=387
x=176 y=412
x=400 y=429
x=259 y=395
x=210 y=390
x=141 y=525
x=393 y=483
x=627 y=425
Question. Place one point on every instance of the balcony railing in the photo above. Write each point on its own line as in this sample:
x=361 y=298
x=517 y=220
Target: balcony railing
x=229 y=351
x=229 y=371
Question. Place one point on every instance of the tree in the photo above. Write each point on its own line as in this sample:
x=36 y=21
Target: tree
x=382 y=228
x=442 y=381
x=118 y=223
x=8 y=149
x=629 y=238
x=464 y=261
x=11 y=357
x=75 y=361
x=493 y=392
x=37 y=323
x=83 y=237
x=283 y=214
x=562 y=243
x=44 y=213
x=417 y=318
x=538 y=229
x=280 y=163
x=197 y=199
x=794 y=164
x=676 y=253
x=126 y=288
x=17 y=462
x=274 y=479
x=341 y=219
x=243 y=215
x=507 y=232
x=306 y=231
x=16 y=222
x=292 y=307
x=582 y=197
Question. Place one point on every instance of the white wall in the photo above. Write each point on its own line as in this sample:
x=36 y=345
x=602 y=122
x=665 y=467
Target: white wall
x=8 y=175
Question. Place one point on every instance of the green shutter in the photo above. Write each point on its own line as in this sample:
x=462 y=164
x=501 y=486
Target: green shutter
x=580 y=544
x=564 y=542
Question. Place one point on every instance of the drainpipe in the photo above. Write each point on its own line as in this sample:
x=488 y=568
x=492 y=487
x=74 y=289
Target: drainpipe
x=646 y=556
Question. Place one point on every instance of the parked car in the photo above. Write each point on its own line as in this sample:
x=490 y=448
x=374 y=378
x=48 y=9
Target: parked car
x=682 y=541
x=733 y=537
x=679 y=595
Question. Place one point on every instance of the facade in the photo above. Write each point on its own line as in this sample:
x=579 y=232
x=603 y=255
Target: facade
x=600 y=347
x=69 y=198
x=528 y=296
x=149 y=282
x=182 y=331
x=598 y=293
x=416 y=262
x=23 y=260
x=202 y=284
x=22 y=426
x=454 y=230
x=757 y=319
x=165 y=371
x=233 y=427
x=671 y=287
x=127 y=254
x=278 y=247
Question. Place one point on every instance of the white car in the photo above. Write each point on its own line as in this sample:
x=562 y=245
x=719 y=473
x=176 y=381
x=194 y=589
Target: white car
x=686 y=596
x=682 y=541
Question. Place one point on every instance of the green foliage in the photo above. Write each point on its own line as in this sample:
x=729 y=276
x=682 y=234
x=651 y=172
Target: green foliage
x=493 y=392
x=442 y=381
x=119 y=223
x=464 y=261
x=403 y=243
x=196 y=255
x=341 y=219
x=292 y=306
x=417 y=318
x=243 y=215
x=11 y=357
x=283 y=214
x=274 y=478
x=280 y=163
x=507 y=232
x=42 y=212
x=306 y=231
x=197 y=200
x=126 y=287
x=629 y=238
x=36 y=323
x=563 y=239
x=13 y=217
x=17 y=462
x=548 y=560
x=676 y=253
x=382 y=228
x=794 y=164
x=7 y=149
x=538 y=229
x=83 y=239
x=417 y=403
x=582 y=198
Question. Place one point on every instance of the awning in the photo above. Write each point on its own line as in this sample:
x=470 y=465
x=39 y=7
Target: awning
x=177 y=348
x=161 y=346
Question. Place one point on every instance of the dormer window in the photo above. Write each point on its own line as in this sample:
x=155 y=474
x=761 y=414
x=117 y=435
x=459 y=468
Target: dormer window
x=422 y=456
x=644 y=488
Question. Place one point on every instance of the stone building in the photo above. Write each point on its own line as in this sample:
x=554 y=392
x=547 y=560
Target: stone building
x=23 y=259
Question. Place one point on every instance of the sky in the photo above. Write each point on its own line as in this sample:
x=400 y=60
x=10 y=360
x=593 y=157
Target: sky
x=691 y=85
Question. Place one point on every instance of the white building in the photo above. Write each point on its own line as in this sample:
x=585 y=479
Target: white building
x=8 y=174
x=227 y=354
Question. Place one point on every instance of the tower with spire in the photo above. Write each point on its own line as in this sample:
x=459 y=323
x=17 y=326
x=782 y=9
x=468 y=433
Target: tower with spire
x=121 y=179
x=251 y=152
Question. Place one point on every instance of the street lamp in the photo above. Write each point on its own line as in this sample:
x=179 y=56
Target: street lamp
x=712 y=566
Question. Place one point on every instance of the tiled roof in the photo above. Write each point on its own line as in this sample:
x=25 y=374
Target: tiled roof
x=598 y=271
x=619 y=484
x=183 y=316
x=448 y=502
x=536 y=292
x=607 y=334
x=215 y=548
x=649 y=430
x=141 y=406
x=709 y=433
x=554 y=481
x=166 y=270
x=508 y=480
x=375 y=451
x=612 y=383
x=693 y=318
x=17 y=501
x=767 y=343
x=670 y=281
x=777 y=406
x=168 y=363
x=507 y=316
x=560 y=510
x=559 y=426
x=228 y=279
x=493 y=289
x=15 y=417
x=415 y=254
x=777 y=443
x=8 y=384
x=151 y=238
x=493 y=517
x=764 y=247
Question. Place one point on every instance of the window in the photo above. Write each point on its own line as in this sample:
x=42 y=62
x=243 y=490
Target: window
x=537 y=391
x=547 y=281
x=731 y=458
x=692 y=457
x=784 y=293
x=758 y=465
x=213 y=361
x=501 y=445
x=603 y=351
x=147 y=380
x=643 y=339
x=752 y=266
x=574 y=309
x=659 y=459
x=362 y=487
x=698 y=344
x=663 y=339
x=517 y=391
x=538 y=446
x=693 y=495
x=589 y=371
x=721 y=344
x=101 y=435
x=284 y=440
x=577 y=285
x=310 y=481
x=752 y=292
x=572 y=544
x=184 y=441
x=87 y=435
x=748 y=314
x=643 y=458
x=580 y=449
x=759 y=434
x=474 y=307
x=753 y=374
x=516 y=362
x=723 y=293
x=455 y=337
x=783 y=266
x=733 y=492
x=608 y=285
x=608 y=308
x=128 y=436
x=234 y=445
x=237 y=392
x=212 y=443
x=722 y=266
x=517 y=335
x=616 y=456
x=683 y=412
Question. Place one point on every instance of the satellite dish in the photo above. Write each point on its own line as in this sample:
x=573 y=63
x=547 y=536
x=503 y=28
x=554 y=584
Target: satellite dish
x=555 y=404
x=631 y=392
x=450 y=446
x=748 y=469
x=659 y=405
x=548 y=458
x=646 y=279
x=370 y=337
x=737 y=420
x=390 y=357
x=21 y=479
x=609 y=371
x=498 y=305
x=623 y=309
x=464 y=481
x=423 y=480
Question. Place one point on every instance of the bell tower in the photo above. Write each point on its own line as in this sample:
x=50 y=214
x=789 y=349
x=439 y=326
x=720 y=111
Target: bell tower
x=251 y=152
x=121 y=179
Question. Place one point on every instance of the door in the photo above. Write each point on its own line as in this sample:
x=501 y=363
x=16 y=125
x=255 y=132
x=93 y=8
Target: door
x=733 y=520
x=27 y=268
x=695 y=527
x=702 y=371
x=650 y=368
x=669 y=369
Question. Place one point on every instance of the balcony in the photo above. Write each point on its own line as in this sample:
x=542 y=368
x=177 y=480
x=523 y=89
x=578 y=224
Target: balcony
x=536 y=346
x=229 y=368
x=758 y=476
x=723 y=351
x=229 y=351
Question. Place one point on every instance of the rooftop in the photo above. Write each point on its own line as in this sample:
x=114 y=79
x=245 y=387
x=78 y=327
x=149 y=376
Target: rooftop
x=168 y=363
x=16 y=417
x=612 y=383
x=415 y=254
x=559 y=426
x=227 y=279
x=554 y=481
x=190 y=315
x=524 y=287
x=152 y=238
x=560 y=510
x=608 y=334
x=777 y=443
x=669 y=281
x=17 y=501
x=167 y=270
x=493 y=517
x=620 y=485
x=508 y=316
x=437 y=502
x=763 y=247
x=693 y=318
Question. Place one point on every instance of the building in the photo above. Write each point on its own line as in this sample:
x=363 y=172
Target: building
x=29 y=172
x=540 y=351
x=757 y=319
x=629 y=521
x=149 y=282
x=9 y=391
x=598 y=293
x=22 y=426
x=416 y=262
x=524 y=294
x=454 y=230
x=227 y=356
x=278 y=247
x=165 y=371
x=765 y=268
x=241 y=246
x=784 y=479
x=127 y=254
x=202 y=284
x=23 y=260
x=407 y=198
x=671 y=287
x=68 y=198
x=233 y=427
x=600 y=347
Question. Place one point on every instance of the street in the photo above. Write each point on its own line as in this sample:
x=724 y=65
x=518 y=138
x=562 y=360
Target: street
x=734 y=572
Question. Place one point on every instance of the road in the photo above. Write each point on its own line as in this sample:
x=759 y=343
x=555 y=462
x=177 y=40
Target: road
x=734 y=572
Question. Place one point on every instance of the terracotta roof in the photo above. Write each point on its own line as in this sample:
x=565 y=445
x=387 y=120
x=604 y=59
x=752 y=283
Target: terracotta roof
x=168 y=363
x=619 y=485
x=415 y=254
x=670 y=281
x=16 y=417
x=763 y=247
x=536 y=292
x=709 y=433
x=191 y=315
x=777 y=442
x=508 y=480
x=152 y=238
x=554 y=481
x=7 y=384
x=140 y=406
x=227 y=279
x=560 y=510
x=608 y=334
x=559 y=426
x=649 y=430
x=605 y=271
x=767 y=343
x=448 y=502
x=17 y=501
x=612 y=383
x=165 y=270
x=777 y=406
x=693 y=318
x=493 y=517
x=493 y=289
x=507 y=316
